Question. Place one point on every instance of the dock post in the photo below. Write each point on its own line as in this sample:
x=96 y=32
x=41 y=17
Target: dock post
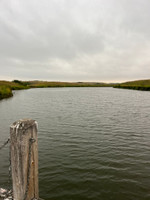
x=24 y=159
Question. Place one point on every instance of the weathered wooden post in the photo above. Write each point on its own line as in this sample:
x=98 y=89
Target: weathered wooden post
x=24 y=159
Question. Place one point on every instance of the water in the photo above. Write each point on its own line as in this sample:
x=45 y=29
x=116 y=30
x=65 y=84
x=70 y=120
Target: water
x=94 y=143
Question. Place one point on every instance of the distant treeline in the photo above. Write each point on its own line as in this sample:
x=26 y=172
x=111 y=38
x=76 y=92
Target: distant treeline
x=6 y=87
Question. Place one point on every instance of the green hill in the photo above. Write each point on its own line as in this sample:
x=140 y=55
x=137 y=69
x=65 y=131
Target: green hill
x=135 y=85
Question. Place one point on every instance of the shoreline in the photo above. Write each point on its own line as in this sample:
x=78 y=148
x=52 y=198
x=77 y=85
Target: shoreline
x=133 y=88
x=7 y=87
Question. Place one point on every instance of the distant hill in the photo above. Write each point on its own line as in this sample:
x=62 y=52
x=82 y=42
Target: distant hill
x=136 y=85
x=39 y=84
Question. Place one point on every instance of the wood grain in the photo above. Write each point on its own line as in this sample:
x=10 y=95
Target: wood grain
x=20 y=134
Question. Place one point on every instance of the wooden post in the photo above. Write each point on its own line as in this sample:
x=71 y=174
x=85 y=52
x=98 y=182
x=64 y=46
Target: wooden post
x=24 y=159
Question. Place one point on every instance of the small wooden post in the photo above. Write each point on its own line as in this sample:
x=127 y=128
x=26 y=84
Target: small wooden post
x=24 y=159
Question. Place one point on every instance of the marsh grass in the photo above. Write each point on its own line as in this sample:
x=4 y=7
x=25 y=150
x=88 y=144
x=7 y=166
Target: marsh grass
x=135 y=85
x=5 y=92
x=42 y=84
x=6 y=87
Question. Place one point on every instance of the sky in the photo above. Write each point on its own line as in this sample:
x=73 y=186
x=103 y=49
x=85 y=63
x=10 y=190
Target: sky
x=75 y=40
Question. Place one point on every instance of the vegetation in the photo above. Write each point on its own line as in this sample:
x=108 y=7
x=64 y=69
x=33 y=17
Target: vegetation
x=41 y=84
x=5 y=92
x=135 y=85
x=6 y=87
x=14 y=85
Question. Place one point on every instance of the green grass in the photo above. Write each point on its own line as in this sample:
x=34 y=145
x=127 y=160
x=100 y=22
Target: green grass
x=135 y=85
x=42 y=84
x=5 y=92
x=6 y=87
x=13 y=85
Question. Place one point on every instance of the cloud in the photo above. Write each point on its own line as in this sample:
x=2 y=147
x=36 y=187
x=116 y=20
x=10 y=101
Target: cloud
x=75 y=40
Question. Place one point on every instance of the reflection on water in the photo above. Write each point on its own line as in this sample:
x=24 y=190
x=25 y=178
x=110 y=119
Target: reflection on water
x=94 y=143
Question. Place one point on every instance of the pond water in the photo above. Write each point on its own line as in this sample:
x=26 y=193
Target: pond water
x=94 y=143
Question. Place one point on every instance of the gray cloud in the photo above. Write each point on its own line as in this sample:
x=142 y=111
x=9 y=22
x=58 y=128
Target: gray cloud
x=75 y=40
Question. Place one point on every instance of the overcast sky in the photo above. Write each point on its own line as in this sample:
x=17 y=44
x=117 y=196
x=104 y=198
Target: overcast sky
x=75 y=40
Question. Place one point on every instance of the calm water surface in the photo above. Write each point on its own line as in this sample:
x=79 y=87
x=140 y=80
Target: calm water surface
x=94 y=143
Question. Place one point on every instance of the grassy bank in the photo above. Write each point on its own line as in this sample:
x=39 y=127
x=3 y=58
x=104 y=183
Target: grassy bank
x=5 y=92
x=6 y=87
x=135 y=85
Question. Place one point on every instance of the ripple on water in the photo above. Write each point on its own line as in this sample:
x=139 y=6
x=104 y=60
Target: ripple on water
x=93 y=142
